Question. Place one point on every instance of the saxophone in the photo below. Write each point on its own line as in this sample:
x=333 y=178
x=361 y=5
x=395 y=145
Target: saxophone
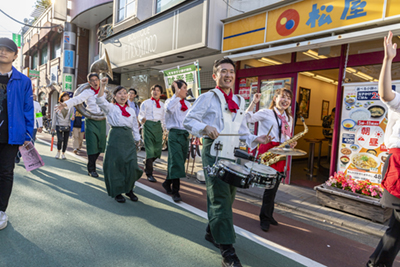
x=269 y=158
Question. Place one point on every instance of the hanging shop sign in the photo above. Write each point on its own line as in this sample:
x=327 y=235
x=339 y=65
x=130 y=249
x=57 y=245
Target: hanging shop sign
x=362 y=151
x=68 y=82
x=305 y=18
x=187 y=73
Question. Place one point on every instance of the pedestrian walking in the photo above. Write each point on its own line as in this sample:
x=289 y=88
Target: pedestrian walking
x=206 y=118
x=78 y=130
x=152 y=117
x=178 y=138
x=132 y=94
x=389 y=246
x=279 y=117
x=120 y=166
x=61 y=126
x=95 y=130
x=16 y=120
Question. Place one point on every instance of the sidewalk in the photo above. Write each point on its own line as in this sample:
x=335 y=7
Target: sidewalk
x=289 y=198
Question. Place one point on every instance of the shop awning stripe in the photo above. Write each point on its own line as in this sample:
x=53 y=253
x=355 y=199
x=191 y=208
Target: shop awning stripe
x=244 y=33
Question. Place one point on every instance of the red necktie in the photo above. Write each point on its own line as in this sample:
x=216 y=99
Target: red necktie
x=228 y=98
x=184 y=107
x=157 y=102
x=95 y=91
x=123 y=109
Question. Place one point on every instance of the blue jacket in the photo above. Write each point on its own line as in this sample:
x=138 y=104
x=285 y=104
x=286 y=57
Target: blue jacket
x=20 y=108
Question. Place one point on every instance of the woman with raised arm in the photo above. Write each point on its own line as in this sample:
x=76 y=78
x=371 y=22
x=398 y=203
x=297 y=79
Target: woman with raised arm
x=121 y=170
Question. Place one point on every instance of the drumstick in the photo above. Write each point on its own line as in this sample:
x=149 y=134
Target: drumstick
x=270 y=129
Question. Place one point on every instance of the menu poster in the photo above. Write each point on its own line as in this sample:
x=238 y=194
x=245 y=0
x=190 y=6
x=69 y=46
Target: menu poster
x=362 y=152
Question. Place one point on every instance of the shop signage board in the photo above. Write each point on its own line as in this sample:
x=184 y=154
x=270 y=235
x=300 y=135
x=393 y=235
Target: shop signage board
x=69 y=59
x=362 y=151
x=31 y=73
x=17 y=39
x=68 y=82
x=305 y=18
x=187 y=73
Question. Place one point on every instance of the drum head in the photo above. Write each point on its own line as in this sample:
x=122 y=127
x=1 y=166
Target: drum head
x=260 y=168
x=233 y=166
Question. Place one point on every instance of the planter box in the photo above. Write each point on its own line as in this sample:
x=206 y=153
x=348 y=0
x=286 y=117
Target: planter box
x=363 y=206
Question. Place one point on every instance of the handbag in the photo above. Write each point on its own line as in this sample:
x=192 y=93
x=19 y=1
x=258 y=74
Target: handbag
x=64 y=128
x=31 y=157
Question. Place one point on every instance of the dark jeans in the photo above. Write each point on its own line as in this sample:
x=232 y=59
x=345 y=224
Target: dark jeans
x=267 y=207
x=175 y=184
x=62 y=139
x=7 y=163
x=149 y=167
x=387 y=249
x=91 y=166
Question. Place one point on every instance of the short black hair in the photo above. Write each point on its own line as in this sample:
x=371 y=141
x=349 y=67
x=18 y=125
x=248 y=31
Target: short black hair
x=222 y=61
x=90 y=75
x=116 y=90
x=333 y=110
x=179 y=83
x=46 y=103
x=133 y=89
x=155 y=86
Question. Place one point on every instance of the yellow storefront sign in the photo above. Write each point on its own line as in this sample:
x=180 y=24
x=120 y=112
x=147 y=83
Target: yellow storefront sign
x=306 y=18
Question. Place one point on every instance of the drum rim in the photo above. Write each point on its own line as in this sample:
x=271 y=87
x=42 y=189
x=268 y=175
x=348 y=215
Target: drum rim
x=261 y=173
x=232 y=170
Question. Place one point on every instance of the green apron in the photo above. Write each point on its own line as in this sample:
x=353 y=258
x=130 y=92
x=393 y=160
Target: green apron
x=220 y=197
x=153 y=134
x=121 y=170
x=178 y=147
x=95 y=134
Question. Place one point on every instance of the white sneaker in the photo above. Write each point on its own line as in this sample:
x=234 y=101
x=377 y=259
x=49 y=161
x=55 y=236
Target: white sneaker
x=58 y=155
x=3 y=220
x=63 y=156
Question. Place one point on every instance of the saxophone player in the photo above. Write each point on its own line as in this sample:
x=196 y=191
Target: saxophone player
x=279 y=116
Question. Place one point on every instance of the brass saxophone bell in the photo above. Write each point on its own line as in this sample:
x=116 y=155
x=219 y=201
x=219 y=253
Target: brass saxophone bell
x=102 y=66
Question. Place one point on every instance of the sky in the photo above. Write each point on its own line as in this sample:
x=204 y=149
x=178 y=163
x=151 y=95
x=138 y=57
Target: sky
x=18 y=9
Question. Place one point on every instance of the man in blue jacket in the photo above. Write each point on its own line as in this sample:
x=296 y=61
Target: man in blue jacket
x=16 y=119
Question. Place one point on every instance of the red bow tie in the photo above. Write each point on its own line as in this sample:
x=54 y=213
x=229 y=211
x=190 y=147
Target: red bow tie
x=184 y=107
x=228 y=98
x=123 y=109
x=157 y=102
x=95 y=91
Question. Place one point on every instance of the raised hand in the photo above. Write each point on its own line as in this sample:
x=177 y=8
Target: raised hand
x=256 y=98
x=390 y=48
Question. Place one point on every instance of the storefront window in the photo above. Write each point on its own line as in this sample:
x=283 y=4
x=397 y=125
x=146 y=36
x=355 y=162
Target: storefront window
x=268 y=88
x=126 y=9
x=35 y=61
x=43 y=55
x=56 y=49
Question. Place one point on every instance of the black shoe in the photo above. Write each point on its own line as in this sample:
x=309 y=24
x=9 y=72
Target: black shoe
x=167 y=188
x=93 y=174
x=151 y=179
x=176 y=197
x=17 y=160
x=273 y=221
x=265 y=226
x=210 y=238
x=132 y=196
x=120 y=199
x=230 y=259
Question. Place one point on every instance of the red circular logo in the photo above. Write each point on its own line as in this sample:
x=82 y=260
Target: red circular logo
x=287 y=22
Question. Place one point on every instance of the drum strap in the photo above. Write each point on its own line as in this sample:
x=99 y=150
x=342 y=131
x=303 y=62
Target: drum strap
x=279 y=126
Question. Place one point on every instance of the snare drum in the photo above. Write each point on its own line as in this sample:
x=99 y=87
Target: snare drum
x=263 y=176
x=233 y=174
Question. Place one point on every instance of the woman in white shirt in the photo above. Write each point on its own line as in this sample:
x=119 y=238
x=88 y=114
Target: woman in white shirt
x=278 y=115
x=121 y=170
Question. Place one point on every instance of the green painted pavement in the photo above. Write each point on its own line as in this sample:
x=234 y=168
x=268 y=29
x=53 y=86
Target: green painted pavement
x=59 y=216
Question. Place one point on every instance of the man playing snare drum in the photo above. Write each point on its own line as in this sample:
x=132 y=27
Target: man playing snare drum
x=206 y=118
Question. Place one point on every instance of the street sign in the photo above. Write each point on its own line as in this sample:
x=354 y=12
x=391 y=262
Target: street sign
x=68 y=82
x=69 y=58
x=17 y=39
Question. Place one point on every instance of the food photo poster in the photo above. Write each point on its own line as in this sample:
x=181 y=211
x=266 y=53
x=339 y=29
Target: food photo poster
x=362 y=151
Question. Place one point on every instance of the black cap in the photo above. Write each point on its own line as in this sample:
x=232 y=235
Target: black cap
x=5 y=42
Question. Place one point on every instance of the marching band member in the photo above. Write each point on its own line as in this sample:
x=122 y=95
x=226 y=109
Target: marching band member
x=151 y=116
x=206 y=118
x=178 y=138
x=278 y=115
x=121 y=170
x=95 y=130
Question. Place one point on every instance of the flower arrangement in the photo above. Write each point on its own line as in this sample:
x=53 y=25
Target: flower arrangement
x=345 y=182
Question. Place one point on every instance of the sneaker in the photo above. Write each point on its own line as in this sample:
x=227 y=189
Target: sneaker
x=58 y=155
x=75 y=151
x=120 y=199
x=63 y=156
x=3 y=220
x=176 y=197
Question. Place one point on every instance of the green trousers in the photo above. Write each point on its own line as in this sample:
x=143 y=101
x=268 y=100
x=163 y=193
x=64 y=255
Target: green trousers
x=220 y=197
x=95 y=134
x=121 y=170
x=178 y=147
x=153 y=134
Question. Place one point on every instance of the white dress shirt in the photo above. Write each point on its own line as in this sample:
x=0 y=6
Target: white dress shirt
x=392 y=133
x=149 y=110
x=206 y=110
x=174 y=116
x=115 y=118
x=87 y=95
x=265 y=119
x=37 y=109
